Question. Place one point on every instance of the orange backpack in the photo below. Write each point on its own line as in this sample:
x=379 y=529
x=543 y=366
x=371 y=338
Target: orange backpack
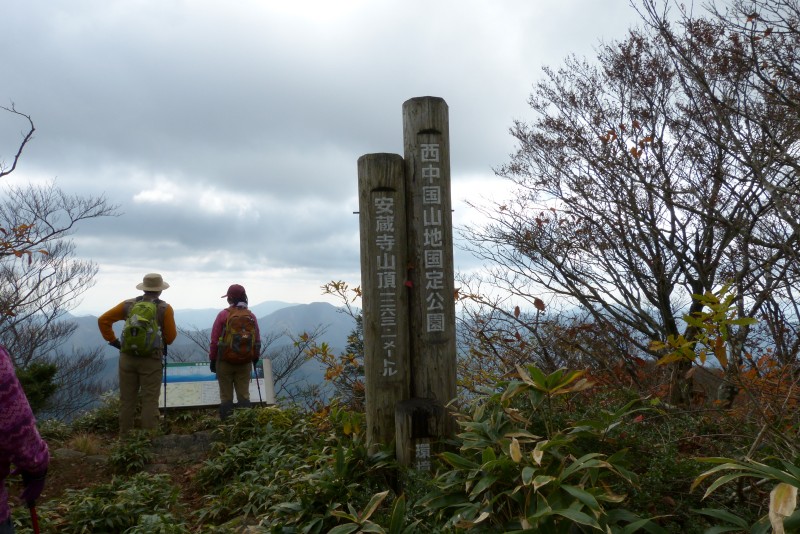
x=239 y=342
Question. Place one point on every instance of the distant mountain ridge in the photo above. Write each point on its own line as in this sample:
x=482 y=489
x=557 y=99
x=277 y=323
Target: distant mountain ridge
x=194 y=318
x=274 y=318
x=204 y=317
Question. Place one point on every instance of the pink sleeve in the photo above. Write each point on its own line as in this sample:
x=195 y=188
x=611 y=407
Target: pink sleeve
x=21 y=444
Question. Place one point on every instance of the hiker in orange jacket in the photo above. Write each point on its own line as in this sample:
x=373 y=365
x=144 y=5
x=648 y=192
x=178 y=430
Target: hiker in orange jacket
x=140 y=374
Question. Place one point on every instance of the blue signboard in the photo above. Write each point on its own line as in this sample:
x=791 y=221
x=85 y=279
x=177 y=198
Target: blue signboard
x=192 y=384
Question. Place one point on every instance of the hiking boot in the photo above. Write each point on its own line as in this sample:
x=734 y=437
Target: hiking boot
x=225 y=409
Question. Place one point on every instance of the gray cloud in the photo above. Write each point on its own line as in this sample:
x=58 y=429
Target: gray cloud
x=228 y=133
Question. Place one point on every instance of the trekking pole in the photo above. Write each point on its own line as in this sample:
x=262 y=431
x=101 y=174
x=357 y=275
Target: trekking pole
x=165 y=387
x=34 y=517
x=258 y=386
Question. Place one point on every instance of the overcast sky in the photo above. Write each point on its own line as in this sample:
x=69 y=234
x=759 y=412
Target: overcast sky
x=228 y=131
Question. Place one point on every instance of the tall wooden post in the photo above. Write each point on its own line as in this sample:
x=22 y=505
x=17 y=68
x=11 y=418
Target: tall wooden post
x=408 y=287
x=382 y=222
x=432 y=335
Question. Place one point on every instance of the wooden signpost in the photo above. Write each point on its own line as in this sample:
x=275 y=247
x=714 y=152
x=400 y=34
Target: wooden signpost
x=408 y=286
x=382 y=218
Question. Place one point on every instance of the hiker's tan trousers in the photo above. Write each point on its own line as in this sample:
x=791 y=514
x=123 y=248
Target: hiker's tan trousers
x=139 y=380
x=233 y=376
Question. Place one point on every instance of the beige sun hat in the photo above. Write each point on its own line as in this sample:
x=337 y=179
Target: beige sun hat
x=152 y=282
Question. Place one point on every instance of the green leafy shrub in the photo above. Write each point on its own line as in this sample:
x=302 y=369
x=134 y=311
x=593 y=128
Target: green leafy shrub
x=141 y=503
x=254 y=423
x=190 y=421
x=163 y=523
x=291 y=471
x=662 y=446
x=103 y=419
x=341 y=474
x=360 y=521
x=541 y=453
x=783 y=478
x=131 y=454
x=54 y=431
x=505 y=477
x=255 y=450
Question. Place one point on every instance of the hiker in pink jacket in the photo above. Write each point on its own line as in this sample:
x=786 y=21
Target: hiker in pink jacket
x=20 y=443
x=233 y=354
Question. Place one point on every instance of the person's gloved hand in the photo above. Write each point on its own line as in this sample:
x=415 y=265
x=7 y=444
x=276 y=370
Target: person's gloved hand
x=34 y=484
x=116 y=344
x=213 y=366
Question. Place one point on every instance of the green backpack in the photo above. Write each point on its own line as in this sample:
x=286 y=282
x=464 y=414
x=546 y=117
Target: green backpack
x=141 y=334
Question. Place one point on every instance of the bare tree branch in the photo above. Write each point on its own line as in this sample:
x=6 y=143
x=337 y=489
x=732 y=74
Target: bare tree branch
x=26 y=137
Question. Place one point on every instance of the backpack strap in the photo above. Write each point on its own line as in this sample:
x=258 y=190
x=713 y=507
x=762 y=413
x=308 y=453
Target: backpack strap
x=129 y=304
x=161 y=309
x=227 y=318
